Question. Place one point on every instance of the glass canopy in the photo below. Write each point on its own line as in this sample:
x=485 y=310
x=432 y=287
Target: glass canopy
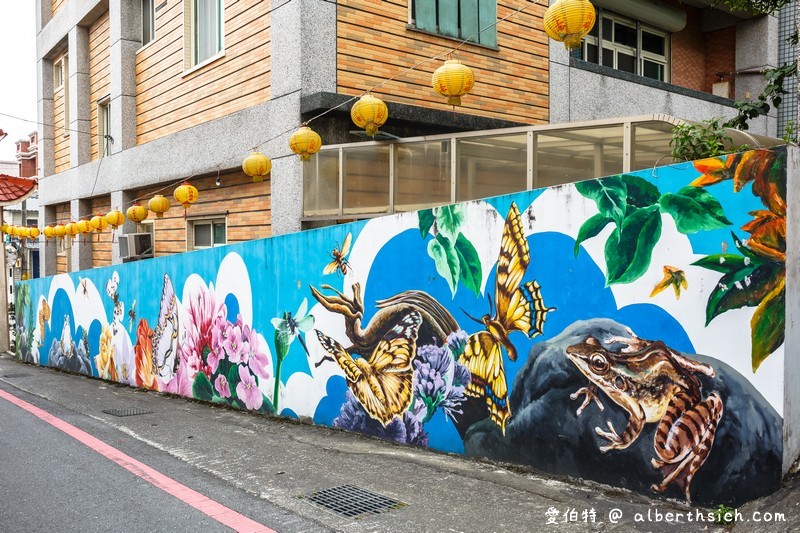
x=366 y=179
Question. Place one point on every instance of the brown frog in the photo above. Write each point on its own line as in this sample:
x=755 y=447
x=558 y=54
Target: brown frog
x=653 y=384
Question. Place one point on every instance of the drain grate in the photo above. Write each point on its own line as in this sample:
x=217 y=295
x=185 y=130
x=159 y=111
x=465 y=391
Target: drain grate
x=353 y=502
x=20 y=375
x=127 y=411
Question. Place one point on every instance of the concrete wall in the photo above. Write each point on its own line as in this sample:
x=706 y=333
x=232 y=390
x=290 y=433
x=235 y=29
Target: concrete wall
x=656 y=295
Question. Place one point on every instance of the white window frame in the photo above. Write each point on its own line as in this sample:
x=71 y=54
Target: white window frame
x=638 y=53
x=103 y=127
x=58 y=73
x=148 y=15
x=190 y=232
x=190 y=51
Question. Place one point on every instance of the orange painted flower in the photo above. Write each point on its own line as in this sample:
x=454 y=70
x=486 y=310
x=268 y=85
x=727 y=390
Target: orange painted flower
x=674 y=277
x=143 y=353
x=767 y=235
x=714 y=170
x=106 y=368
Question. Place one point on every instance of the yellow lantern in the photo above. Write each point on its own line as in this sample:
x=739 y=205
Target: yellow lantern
x=115 y=218
x=257 y=166
x=186 y=194
x=84 y=226
x=60 y=230
x=453 y=80
x=49 y=232
x=33 y=233
x=24 y=232
x=3 y=228
x=98 y=223
x=569 y=21
x=9 y=229
x=159 y=205
x=72 y=228
x=369 y=113
x=305 y=142
x=137 y=213
x=15 y=231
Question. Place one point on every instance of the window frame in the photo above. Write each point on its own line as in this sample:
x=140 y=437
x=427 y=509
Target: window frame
x=493 y=41
x=191 y=57
x=58 y=67
x=639 y=54
x=148 y=16
x=103 y=127
x=191 y=242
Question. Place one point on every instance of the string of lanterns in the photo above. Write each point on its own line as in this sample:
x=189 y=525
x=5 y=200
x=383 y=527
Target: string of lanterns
x=567 y=21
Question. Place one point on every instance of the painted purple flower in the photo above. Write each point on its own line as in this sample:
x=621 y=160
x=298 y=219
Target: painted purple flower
x=247 y=390
x=221 y=384
x=439 y=381
x=405 y=430
x=456 y=342
x=218 y=336
x=233 y=344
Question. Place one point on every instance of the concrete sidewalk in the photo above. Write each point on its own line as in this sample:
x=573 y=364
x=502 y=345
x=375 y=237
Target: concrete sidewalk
x=285 y=462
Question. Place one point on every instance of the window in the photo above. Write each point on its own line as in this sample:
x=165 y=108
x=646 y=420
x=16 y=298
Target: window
x=460 y=19
x=58 y=73
x=628 y=46
x=104 y=139
x=207 y=233
x=61 y=81
x=148 y=21
x=204 y=30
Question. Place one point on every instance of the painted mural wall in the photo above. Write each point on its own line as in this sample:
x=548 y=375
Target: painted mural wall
x=627 y=329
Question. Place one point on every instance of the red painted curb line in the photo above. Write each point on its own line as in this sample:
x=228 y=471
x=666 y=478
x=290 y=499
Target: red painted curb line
x=224 y=515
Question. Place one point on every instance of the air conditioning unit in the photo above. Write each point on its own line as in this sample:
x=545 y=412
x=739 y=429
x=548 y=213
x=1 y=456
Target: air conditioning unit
x=135 y=245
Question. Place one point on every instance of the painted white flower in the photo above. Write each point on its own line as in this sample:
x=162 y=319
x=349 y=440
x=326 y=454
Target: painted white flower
x=746 y=261
x=738 y=285
x=747 y=281
x=723 y=286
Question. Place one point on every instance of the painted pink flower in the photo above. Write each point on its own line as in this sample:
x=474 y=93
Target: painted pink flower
x=180 y=383
x=257 y=355
x=233 y=344
x=247 y=390
x=221 y=384
x=203 y=314
x=219 y=331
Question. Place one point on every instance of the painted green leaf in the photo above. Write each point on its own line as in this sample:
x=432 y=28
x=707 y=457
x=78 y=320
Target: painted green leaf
x=233 y=378
x=449 y=219
x=591 y=228
x=628 y=252
x=426 y=220
x=470 y=271
x=641 y=193
x=446 y=260
x=746 y=287
x=609 y=194
x=722 y=262
x=768 y=325
x=201 y=388
x=694 y=209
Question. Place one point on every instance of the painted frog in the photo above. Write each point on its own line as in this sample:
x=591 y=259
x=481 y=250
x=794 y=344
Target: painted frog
x=653 y=384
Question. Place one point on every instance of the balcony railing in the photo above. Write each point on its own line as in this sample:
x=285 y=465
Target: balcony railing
x=366 y=179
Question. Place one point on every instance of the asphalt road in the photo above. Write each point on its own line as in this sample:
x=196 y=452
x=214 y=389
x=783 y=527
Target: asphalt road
x=267 y=469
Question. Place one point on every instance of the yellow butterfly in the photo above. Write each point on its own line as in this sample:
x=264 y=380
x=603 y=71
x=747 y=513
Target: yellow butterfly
x=44 y=316
x=339 y=257
x=383 y=382
x=518 y=309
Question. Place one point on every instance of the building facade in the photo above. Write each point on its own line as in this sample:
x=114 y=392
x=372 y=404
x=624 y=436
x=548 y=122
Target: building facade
x=135 y=95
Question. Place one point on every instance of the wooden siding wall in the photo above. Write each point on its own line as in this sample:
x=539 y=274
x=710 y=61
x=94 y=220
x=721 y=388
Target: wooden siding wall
x=373 y=44
x=60 y=129
x=247 y=205
x=99 y=72
x=62 y=217
x=167 y=101
x=101 y=242
x=57 y=5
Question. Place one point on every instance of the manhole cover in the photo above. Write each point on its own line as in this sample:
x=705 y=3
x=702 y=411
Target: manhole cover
x=351 y=501
x=126 y=411
x=15 y=375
